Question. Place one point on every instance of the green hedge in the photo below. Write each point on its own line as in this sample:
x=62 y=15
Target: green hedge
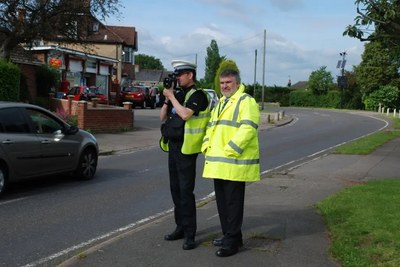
x=10 y=76
x=302 y=98
x=271 y=94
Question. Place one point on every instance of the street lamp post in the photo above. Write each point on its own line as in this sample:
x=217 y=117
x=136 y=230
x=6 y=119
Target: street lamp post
x=342 y=80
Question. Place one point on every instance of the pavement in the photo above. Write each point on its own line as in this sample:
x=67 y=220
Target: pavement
x=280 y=228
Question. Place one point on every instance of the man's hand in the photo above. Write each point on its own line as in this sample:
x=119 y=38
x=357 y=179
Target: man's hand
x=169 y=92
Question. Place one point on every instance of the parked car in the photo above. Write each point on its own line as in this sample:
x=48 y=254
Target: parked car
x=86 y=93
x=35 y=142
x=137 y=95
x=214 y=99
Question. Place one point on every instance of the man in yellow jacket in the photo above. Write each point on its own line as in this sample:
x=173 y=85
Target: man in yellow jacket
x=232 y=157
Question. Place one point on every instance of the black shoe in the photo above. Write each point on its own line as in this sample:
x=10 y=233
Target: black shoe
x=217 y=242
x=189 y=243
x=227 y=251
x=174 y=236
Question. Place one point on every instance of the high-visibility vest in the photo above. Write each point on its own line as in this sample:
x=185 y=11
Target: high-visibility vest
x=194 y=131
x=231 y=145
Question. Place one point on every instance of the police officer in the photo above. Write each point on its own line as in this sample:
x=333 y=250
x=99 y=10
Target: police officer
x=185 y=115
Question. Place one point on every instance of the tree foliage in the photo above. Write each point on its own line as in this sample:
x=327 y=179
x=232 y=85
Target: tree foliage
x=147 y=62
x=225 y=64
x=377 y=68
x=320 y=81
x=387 y=96
x=213 y=61
x=377 y=20
x=66 y=20
x=10 y=76
x=47 y=77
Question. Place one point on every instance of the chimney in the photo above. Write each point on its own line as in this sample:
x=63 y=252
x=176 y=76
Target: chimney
x=136 y=67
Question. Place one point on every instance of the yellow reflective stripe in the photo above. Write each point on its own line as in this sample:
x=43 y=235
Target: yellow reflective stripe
x=235 y=147
x=224 y=122
x=249 y=122
x=194 y=131
x=233 y=161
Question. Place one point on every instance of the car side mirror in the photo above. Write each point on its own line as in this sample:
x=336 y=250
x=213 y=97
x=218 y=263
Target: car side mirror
x=72 y=130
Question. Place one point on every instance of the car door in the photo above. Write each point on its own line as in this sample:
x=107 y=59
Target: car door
x=19 y=143
x=59 y=152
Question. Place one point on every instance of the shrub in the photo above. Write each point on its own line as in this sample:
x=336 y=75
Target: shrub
x=67 y=117
x=46 y=78
x=10 y=76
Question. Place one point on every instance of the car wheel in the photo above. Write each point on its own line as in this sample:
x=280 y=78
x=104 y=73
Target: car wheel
x=87 y=164
x=3 y=178
x=144 y=105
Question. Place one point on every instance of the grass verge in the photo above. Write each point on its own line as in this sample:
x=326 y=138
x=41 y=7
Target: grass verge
x=367 y=144
x=364 y=224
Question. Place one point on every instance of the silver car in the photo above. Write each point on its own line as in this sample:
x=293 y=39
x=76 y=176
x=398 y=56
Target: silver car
x=35 y=142
x=214 y=99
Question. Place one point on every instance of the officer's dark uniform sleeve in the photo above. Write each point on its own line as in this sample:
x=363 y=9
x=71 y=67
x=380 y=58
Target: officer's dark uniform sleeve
x=197 y=102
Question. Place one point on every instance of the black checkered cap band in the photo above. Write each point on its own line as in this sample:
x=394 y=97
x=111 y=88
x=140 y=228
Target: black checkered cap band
x=184 y=67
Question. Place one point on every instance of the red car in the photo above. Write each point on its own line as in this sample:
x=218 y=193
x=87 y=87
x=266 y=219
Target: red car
x=137 y=95
x=86 y=93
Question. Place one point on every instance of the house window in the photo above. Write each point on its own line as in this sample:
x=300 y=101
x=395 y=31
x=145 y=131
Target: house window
x=128 y=54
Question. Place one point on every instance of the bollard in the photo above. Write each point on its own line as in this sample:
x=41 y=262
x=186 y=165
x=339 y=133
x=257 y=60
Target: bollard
x=387 y=113
x=383 y=110
x=380 y=108
x=394 y=113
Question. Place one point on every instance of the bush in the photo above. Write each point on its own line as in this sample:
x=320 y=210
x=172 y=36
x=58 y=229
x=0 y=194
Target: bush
x=301 y=98
x=47 y=77
x=67 y=117
x=10 y=76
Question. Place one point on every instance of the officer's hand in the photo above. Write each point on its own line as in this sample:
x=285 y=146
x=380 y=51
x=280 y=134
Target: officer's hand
x=168 y=92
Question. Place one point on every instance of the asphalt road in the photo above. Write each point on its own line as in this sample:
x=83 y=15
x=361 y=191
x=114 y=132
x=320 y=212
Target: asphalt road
x=44 y=220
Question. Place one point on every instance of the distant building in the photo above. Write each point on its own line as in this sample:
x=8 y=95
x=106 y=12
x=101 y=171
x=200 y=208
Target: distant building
x=299 y=85
x=149 y=77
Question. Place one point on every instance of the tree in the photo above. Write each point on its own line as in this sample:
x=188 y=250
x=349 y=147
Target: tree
x=320 y=81
x=377 y=68
x=213 y=61
x=387 y=96
x=147 y=62
x=225 y=64
x=24 y=21
x=384 y=19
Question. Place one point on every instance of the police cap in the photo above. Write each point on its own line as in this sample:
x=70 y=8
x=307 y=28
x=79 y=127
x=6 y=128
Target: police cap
x=183 y=65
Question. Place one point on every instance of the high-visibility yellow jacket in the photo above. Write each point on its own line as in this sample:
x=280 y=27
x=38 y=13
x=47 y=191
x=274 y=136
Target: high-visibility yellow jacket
x=231 y=146
x=195 y=129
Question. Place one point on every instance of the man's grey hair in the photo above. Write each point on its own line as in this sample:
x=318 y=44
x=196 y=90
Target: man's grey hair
x=230 y=72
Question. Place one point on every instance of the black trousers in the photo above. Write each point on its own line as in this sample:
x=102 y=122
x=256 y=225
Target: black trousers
x=230 y=204
x=182 y=174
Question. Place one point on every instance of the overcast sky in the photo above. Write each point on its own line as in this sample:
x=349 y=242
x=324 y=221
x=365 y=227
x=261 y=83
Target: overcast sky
x=301 y=35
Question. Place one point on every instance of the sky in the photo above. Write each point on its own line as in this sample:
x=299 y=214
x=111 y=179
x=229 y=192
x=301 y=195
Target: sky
x=301 y=35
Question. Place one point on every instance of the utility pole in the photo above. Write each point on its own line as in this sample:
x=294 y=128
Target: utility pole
x=196 y=60
x=255 y=71
x=263 y=78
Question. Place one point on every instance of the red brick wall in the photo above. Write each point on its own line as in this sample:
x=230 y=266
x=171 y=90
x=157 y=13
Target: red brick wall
x=100 y=119
x=29 y=72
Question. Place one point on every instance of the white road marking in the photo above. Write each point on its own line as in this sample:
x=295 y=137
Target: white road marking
x=12 y=201
x=324 y=150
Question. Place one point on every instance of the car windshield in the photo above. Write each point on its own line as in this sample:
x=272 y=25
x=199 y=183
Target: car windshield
x=131 y=89
x=94 y=91
x=211 y=93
